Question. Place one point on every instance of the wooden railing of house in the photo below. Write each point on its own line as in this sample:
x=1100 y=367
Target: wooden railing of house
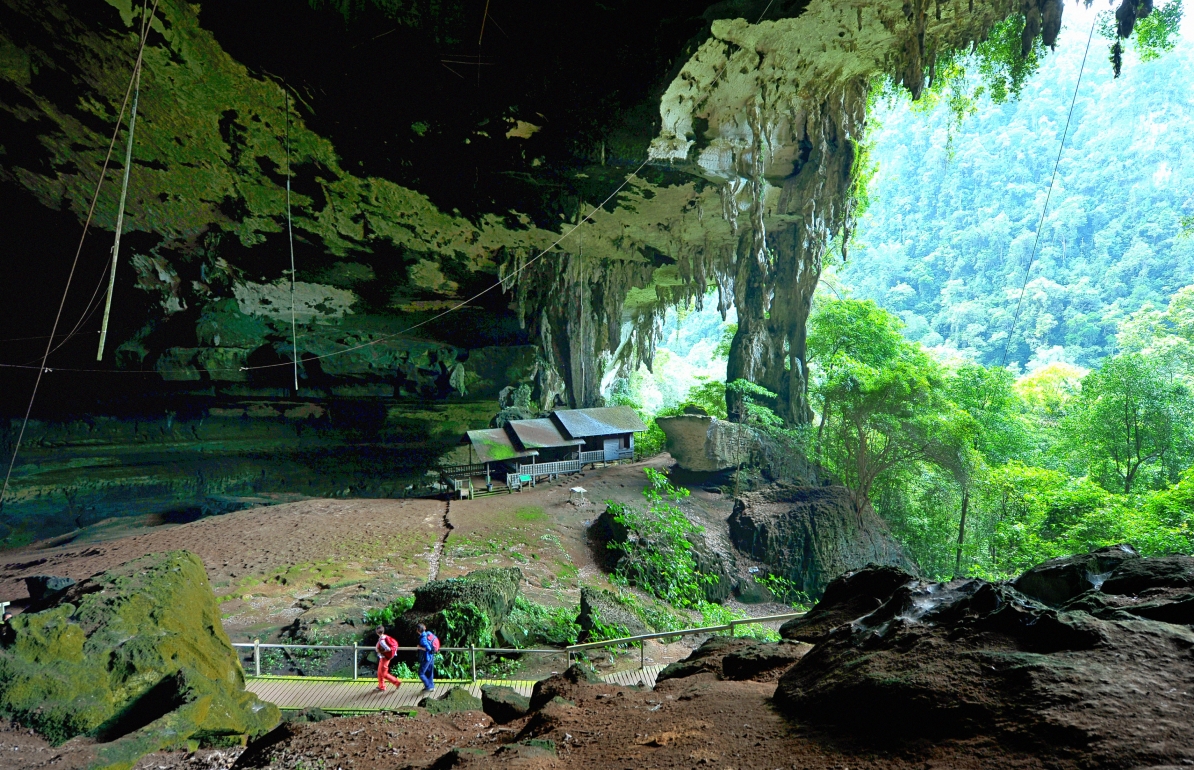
x=592 y=457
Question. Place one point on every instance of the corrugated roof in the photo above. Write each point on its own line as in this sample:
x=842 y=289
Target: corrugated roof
x=599 y=421
x=541 y=434
x=494 y=445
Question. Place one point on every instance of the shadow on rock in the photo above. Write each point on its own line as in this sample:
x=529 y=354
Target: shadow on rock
x=1087 y=678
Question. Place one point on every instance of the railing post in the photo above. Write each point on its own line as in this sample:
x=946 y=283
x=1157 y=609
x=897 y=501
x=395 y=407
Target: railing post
x=355 y=660
x=472 y=654
x=642 y=654
x=257 y=657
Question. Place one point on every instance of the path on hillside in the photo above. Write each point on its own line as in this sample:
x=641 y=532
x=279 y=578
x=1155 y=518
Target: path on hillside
x=362 y=695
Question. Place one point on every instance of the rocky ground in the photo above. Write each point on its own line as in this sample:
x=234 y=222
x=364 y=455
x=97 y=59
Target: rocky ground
x=320 y=563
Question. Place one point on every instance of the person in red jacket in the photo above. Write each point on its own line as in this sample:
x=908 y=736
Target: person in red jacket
x=387 y=648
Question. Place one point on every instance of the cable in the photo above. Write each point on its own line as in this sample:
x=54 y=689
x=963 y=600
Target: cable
x=1045 y=209
x=290 y=235
x=86 y=225
x=438 y=316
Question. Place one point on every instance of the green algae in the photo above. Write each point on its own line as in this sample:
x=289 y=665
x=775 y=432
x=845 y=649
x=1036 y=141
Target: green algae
x=135 y=657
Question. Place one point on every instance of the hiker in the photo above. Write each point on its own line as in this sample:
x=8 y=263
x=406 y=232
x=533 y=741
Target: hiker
x=387 y=648
x=428 y=646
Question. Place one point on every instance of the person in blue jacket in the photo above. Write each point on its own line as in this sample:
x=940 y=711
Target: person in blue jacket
x=427 y=647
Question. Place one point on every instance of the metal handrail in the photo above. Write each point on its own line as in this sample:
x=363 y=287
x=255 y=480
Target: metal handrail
x=257 y=646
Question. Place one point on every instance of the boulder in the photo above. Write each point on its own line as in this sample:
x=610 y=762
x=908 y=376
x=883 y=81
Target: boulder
x=811 y=535
x=503 y=704
x=136 y=658
x=763 y=661
x=698 y=442
x=563 y=686
x=727 y=657
x=463 y=610
x=601 y=606
x=970 y=658
x=1059 y=580
x=851 y=596
x=42 y=587
x=455 y=699
x=706 y=659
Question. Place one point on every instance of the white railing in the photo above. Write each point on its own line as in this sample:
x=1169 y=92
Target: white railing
x=592 y=457
x=550 y=469
x=256 y=646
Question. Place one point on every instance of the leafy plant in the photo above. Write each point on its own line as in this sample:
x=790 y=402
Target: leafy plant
x=657 y=556
x=384 y=616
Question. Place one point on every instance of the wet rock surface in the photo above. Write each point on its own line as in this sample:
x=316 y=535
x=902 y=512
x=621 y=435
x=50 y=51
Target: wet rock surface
x=1090 y=681
x=810 y=535
x=601 y=607
x=136 y=658
x=453 y=700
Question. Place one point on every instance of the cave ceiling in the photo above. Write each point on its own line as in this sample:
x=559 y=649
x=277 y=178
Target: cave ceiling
x=430 y=159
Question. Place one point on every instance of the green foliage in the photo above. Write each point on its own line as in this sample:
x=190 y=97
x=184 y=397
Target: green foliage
x=541 y=624
x=657 y=557
x=1131 y=423
x=384 y=616
x=881 y=400
x=1155 y=34
x=785 y=590
x=952 y=221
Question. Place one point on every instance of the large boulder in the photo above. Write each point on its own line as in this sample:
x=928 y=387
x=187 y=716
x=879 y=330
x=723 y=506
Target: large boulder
x=698 y=442
x=968 y=658
x=136 y=658
x=463 y=610
x=727 y=657
x=851 y=596
x=811 y=535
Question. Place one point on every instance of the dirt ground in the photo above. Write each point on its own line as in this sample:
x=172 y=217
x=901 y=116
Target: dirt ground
x=324 y=562
x=691 y=723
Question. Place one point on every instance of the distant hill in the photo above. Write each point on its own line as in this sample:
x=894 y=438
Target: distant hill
x=954 y=213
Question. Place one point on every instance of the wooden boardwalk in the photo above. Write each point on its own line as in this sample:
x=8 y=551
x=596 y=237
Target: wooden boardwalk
x=362 y=695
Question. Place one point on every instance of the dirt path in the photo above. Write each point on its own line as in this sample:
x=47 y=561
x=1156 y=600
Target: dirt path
x=438 y=551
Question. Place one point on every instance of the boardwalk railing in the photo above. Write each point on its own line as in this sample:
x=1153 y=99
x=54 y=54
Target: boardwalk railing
x=592 y=457
x=257 y=646
x=550 y=469
x=569 y=651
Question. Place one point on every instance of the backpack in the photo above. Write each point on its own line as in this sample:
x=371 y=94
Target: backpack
x=385 y=647
x=434 y=642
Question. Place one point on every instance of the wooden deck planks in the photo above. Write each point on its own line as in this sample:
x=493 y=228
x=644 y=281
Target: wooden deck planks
x=362 y=694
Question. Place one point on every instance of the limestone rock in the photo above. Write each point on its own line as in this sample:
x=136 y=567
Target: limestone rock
x=600 y=606
x=1058 y=580
x=707 y=444
x=969 y=658
x=43 y=586
x=810 y=535
x=563 y=686
x=503 y=704
x=463 y=610
x=706 y=659
x=763 y=661
x=135 y=657
x=851 y=596
x=456 y=699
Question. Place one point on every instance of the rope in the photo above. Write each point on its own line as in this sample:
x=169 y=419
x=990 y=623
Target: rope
x=385 y=338
x=1044 y=210
x=290 y=235
x=124 y=194
x=78 y=251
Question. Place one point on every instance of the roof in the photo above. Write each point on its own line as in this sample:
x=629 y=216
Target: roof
x=599 y=421
x=541 y=434
x=494 y=445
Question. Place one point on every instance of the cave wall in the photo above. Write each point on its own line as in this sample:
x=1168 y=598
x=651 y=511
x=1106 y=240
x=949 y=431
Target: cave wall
x=414 y=190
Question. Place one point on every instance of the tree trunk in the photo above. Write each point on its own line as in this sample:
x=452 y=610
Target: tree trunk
x=962 y=532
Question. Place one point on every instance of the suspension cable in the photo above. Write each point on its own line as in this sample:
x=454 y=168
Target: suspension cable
x=78 y=251
x=1045 y=209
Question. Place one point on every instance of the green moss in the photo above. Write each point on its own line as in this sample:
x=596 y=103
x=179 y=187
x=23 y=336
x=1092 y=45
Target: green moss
x=135 y=657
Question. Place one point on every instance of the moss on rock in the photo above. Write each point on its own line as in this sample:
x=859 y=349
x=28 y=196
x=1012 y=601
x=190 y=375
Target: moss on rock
x=135 y=657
